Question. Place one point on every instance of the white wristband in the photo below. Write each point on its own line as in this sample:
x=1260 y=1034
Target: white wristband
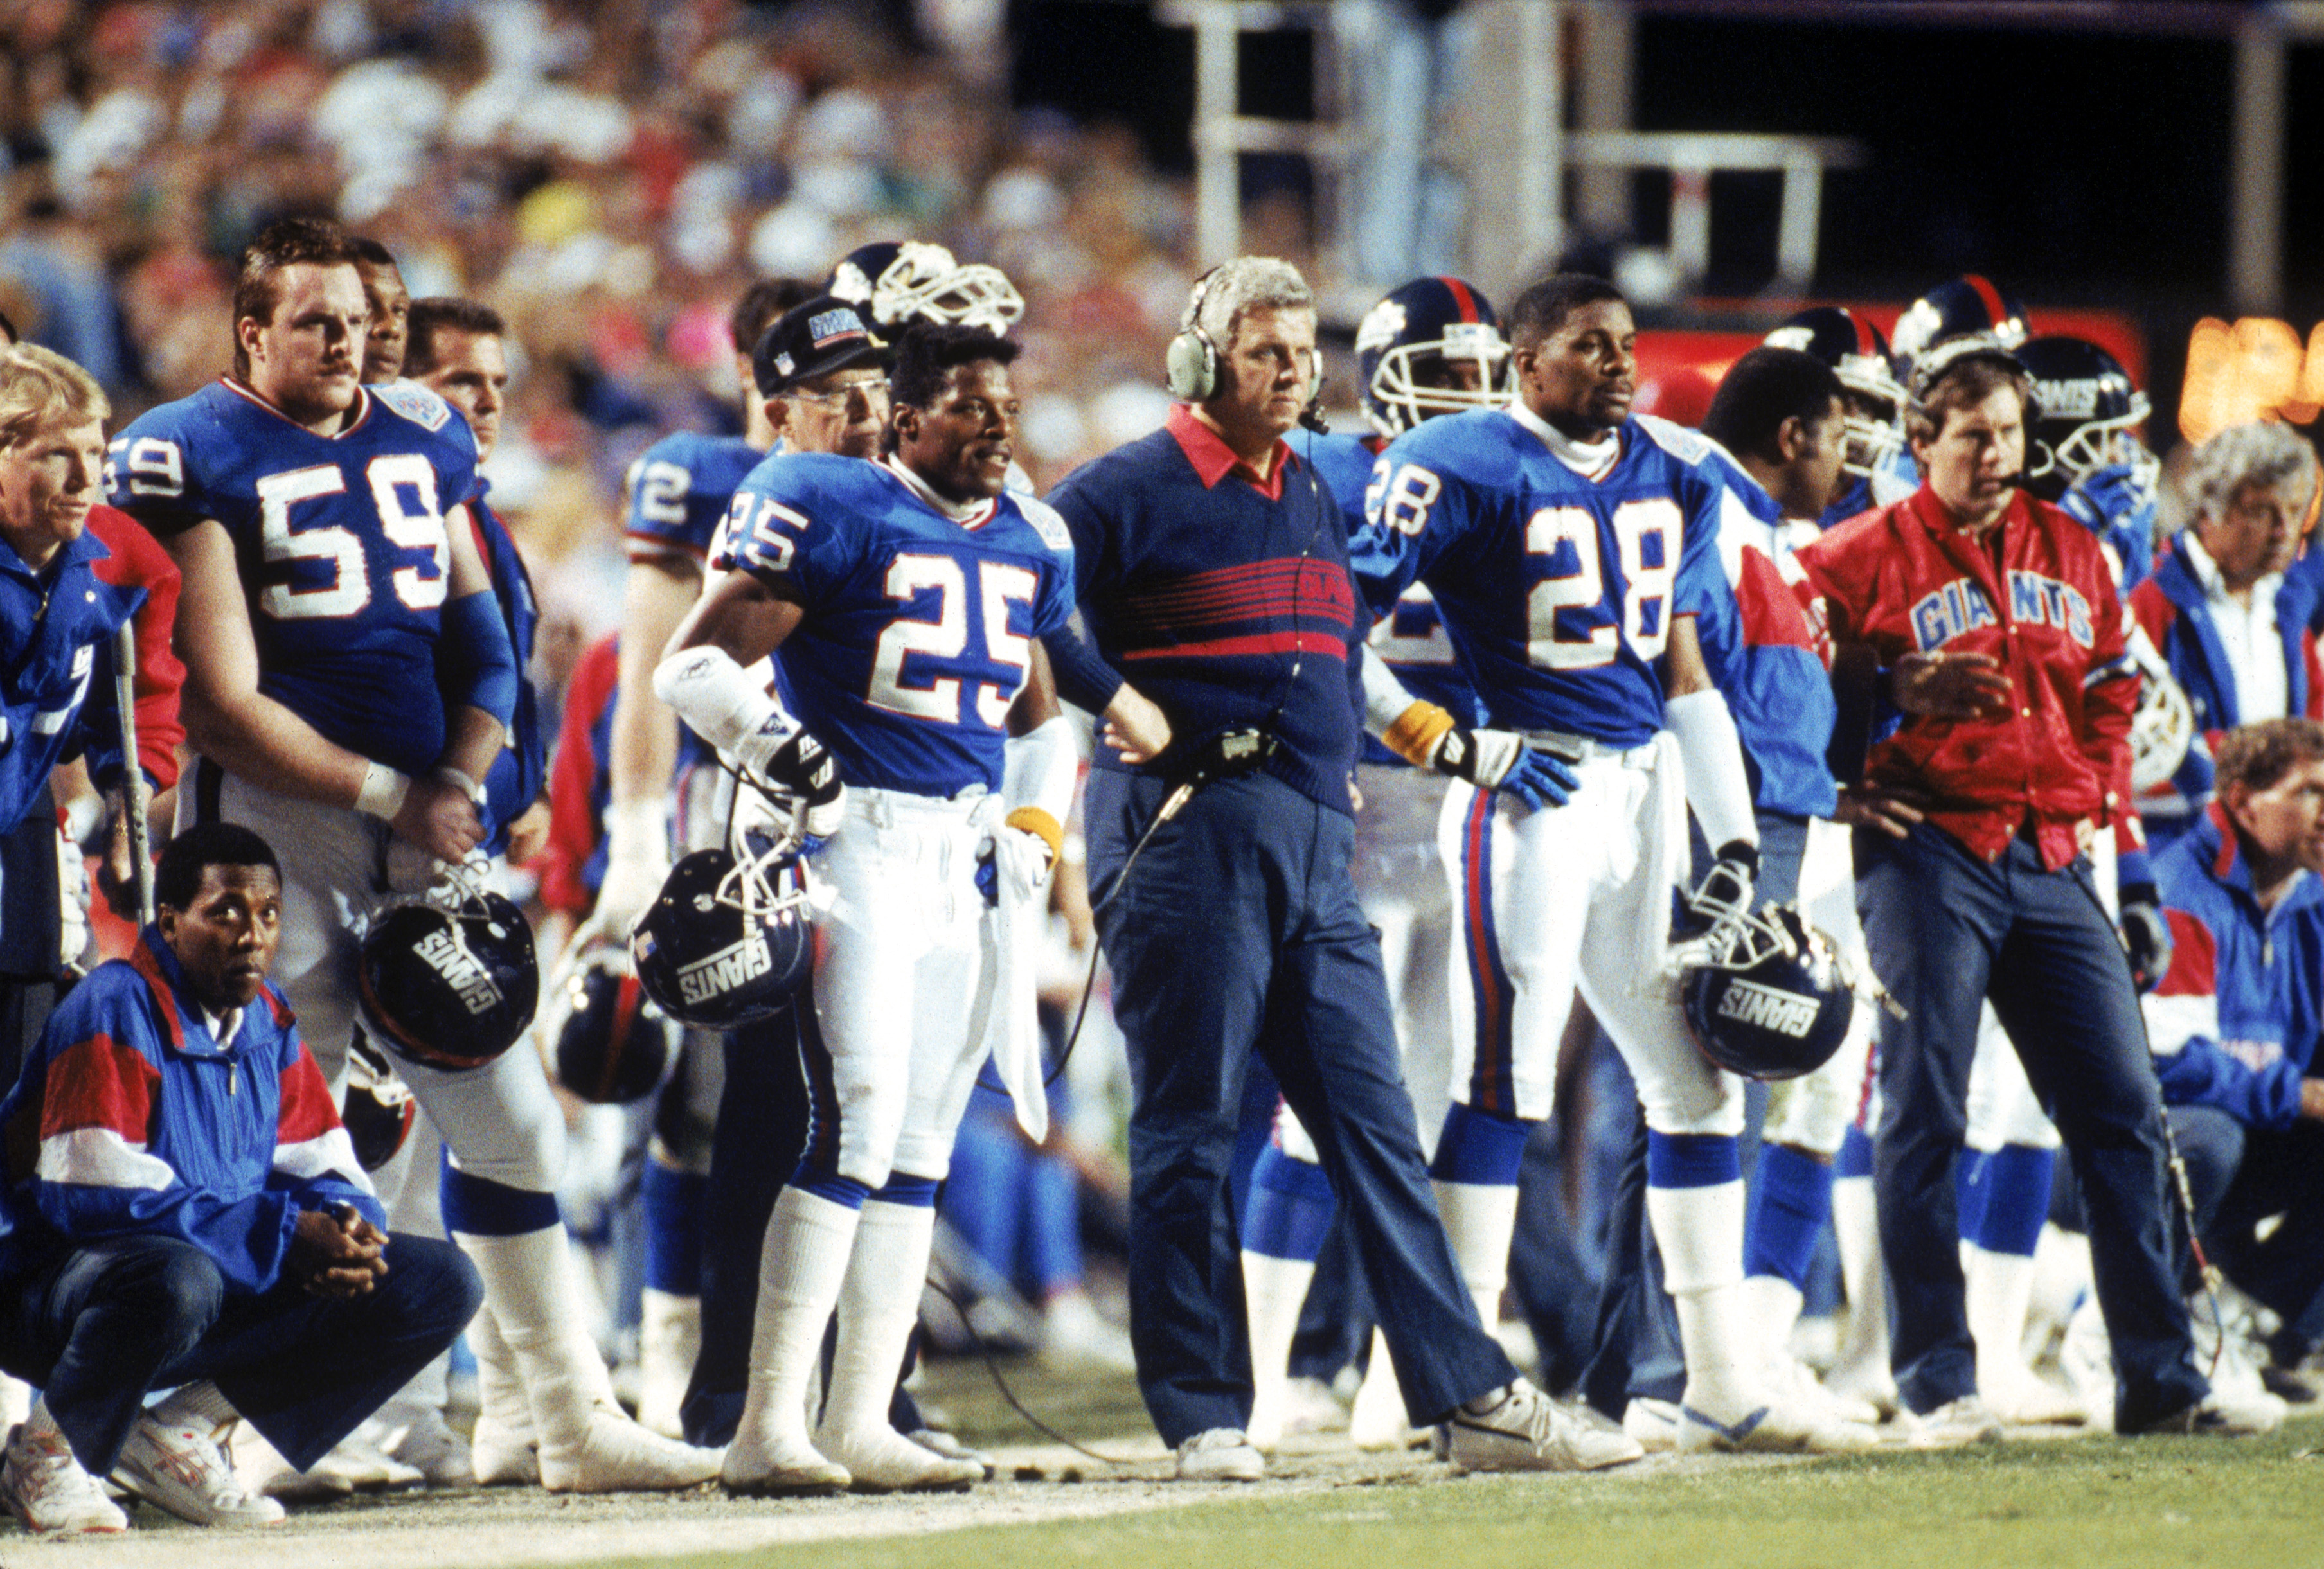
x=461 y=781
x=382 y=793
x=1041 y=767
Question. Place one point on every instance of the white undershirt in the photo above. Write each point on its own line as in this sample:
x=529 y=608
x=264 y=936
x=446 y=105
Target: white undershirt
x=2248 y=637
x=224 y=1026
x=1592 y=460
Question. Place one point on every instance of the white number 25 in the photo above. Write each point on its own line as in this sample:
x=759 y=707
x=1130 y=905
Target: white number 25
x=945 y=637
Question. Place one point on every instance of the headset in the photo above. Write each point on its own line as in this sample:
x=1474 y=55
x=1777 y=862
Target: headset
x=1191 y=363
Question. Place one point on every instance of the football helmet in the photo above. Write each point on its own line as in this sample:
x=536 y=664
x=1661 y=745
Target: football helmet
x=727 y=940
x=612 y=1044
x=1766 y=995
x=895 y=284
x=2089 y=414
x=448 y=980
x=1971 y=303
x=1407 y=339
x=1857 y=352
x=377 y=1110
x=2162 y=726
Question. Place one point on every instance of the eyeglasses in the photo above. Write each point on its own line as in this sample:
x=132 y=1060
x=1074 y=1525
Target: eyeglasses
x=870 y=392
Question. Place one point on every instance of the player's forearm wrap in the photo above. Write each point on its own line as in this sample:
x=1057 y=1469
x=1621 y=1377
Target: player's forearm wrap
x=1039 y=769
x=1417 y=733
x=383 y=791
x=475 y=663
x=1386 y=701
x=1710 y=754
x=637 y=830
x=714 y=694
x=1083 y=679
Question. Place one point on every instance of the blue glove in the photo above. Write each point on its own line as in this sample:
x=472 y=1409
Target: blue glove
x=1501 y=761
x=2117 y=504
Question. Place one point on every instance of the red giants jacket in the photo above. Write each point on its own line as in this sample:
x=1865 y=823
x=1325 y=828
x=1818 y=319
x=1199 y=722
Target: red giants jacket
x=2036 y=595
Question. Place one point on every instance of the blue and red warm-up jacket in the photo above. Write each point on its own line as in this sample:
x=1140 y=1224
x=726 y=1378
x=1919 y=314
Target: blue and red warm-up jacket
x=131 y=1120
x=2176 y=613
x=2234 y=1023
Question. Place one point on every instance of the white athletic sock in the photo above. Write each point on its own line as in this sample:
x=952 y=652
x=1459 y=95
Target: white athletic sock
x=801 y=1269
x=878 y=1302
x=534 y=1296
x=1378 y=1420
x=1479 y=1221
x=1274 y=1291
x=199 y=1406
x=1998 y=1287
x=1700 y=1231
x=669 y=1339
x=1771 y=1304
x=1856 y=1227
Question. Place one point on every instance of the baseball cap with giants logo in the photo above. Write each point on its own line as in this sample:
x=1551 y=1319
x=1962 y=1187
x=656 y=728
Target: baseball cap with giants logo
x=810 y=340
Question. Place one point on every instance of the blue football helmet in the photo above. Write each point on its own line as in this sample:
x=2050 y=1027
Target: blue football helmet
x=895 y=284
x=1858 y=355
x=2089 y=417
x=726 y=941
x=1406 y=347
x=1767 y=996
x=1971 y=303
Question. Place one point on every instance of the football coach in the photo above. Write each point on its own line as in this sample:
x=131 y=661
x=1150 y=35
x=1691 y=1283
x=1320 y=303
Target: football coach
x=1211 y=564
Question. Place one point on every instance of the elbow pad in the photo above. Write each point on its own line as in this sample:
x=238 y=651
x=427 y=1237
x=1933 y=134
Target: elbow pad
x=475 y=663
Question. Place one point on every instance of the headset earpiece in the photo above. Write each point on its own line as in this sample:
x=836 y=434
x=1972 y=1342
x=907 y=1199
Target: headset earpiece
x=1191 y=360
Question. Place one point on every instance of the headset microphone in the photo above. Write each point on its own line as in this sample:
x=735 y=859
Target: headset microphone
x=1312 y=418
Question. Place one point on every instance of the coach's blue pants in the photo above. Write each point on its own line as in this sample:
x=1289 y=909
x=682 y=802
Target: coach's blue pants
x=1947 y=931
x=100 y=1326
x=1238 y=932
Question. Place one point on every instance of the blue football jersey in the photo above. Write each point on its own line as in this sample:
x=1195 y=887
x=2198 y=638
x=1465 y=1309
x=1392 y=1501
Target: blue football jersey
x=1410 y=638
x=1556 y=588
x=678 y=491
x=918 y=629
x=341 y=541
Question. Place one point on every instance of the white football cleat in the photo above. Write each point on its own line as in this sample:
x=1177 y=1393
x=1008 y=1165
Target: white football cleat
x=1779 y=1427
x=884 y=1461
x=1653 y=1423
x=1797 y=1381
x=179 y=1469
x=45 y=1487
x=424 y=1441
x=1526 y=1430
x=1954 y=1425
x=1219 y=1454
x=774 y=1466
x=937 y=1441
x=616 y=1455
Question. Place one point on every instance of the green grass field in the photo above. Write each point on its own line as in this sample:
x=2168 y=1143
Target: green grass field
x=2174 y=1503
x=2090 y=1501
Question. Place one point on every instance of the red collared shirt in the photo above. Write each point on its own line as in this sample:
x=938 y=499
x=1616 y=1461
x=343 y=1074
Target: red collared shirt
x=1214 y=460
x=1906 y=579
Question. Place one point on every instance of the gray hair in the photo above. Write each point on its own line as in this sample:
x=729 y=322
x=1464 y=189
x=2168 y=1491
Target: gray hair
x=2264 y=454
x=1245 y=284
x=42 y=391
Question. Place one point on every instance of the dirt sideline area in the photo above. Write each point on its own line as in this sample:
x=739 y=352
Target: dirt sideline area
x=510 y=1526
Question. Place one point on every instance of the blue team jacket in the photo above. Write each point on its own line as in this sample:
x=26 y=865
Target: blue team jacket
x=131 y=1119
x=56 y=670
x=2234 y=1022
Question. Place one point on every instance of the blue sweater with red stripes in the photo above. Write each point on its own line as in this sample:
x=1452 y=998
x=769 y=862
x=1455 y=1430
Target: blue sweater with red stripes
x=1226 y=601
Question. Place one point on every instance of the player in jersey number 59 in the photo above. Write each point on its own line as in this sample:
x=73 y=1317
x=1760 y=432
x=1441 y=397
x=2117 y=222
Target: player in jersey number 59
x=350 y=680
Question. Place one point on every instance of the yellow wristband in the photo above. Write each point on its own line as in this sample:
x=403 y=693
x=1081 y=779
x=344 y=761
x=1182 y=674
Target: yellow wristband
x=1416 y=731
x=1034 y=821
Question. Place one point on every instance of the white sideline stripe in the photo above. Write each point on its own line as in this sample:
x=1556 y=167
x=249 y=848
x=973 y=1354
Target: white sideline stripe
x=101 y=1158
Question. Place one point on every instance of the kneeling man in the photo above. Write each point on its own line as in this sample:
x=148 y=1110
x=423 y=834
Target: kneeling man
x=183 y=1210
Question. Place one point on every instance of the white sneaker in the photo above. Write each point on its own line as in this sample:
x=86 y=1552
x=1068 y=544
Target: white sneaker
x=1526 y=1430
x=364 y=1467
x=1377 y=1419
x=1654 y=1424
x=1219 y=1454
x=776 y=1467
x=179 y=1468
x=884 y=1461
x=424 y=1441
x=45 y=1487
x=2086 y=1357
x=1781 y=1427
x=2026 y=1399
x=1954 y=1425
x=1796 y=1382
x=1867 y=1381
x=504 y=1455
x=616 y=1455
